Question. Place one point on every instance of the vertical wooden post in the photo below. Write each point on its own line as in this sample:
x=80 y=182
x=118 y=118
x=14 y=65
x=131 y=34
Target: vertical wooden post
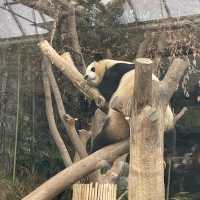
x=94 y=192
x=146 y=174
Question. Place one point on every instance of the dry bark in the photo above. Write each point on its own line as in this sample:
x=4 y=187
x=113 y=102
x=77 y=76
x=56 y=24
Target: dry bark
x=98 y=122
x=146 y=173
x=67 y=67
x=144 y=45
x=161 y=45
x=73 y=39
x=171 y=80
x=69 y=124
x=68 y=176
x=50 y=116
x=114 y=172
x=180 y=114
x=71 y=130
x=84 y=137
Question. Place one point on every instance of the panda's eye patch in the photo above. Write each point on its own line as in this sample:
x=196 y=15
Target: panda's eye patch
x=93 y=69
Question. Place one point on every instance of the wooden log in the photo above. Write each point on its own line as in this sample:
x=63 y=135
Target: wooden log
x=144 y=45
x=50 y=117
x=70 y=127
x=68 y=176
x=171 y=80
x=84 y=137
x=146 y=172
x=143 y=83
x=73 y=38
x=112 y=175
x=68 y=68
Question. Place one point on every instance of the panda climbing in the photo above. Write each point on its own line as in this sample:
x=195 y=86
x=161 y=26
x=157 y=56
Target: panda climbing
x=105 y=74
x=115 y=81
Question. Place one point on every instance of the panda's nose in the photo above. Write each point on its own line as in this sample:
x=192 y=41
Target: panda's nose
x=86 y=77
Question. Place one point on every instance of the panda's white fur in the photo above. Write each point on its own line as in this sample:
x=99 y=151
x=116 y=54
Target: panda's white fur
x=124 y=93
x=116 y=127
x=105 y=74
x=94 y=78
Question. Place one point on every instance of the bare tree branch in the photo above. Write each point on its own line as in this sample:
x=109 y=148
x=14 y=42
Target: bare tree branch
x=84 y=137
x=114 y=172
x=68 y=176
x=171 y=80
x=144 y=45
x=69 y=124
x=180 y=114
x=67 y=67
x=50 y=116
x=73 y=38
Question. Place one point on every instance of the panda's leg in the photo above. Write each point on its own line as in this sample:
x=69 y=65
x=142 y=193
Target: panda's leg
x=99 y=142
x=102 y=139
x=170 y=141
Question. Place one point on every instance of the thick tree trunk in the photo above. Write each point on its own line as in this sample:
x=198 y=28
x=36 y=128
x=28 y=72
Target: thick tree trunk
x=146 y=173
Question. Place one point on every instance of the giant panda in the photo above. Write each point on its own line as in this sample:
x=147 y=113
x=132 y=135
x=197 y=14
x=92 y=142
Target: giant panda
x=116 y=85
x=105 y=74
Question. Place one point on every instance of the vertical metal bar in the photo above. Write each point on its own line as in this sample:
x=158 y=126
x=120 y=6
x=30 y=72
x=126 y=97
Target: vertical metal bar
x=15 y=18
x=17 y=115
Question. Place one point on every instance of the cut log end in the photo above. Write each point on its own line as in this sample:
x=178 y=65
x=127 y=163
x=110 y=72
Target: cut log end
x=69 y=120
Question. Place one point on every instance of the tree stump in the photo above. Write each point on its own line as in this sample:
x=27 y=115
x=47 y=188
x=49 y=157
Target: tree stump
x=146 y=173
x=150 y=100
x=94 y=191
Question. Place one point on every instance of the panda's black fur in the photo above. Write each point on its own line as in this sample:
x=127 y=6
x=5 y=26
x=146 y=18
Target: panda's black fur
x=112 y=78
x=116 y=81
x=107 y=86
x=108 y=136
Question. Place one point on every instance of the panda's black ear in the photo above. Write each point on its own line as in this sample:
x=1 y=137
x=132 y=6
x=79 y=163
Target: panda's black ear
x=98 y=57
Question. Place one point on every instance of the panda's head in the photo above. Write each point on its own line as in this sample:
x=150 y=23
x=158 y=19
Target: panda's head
x=100 y=68
x=95 y=71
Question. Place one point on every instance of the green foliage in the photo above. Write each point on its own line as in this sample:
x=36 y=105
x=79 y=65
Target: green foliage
x=105 y=31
